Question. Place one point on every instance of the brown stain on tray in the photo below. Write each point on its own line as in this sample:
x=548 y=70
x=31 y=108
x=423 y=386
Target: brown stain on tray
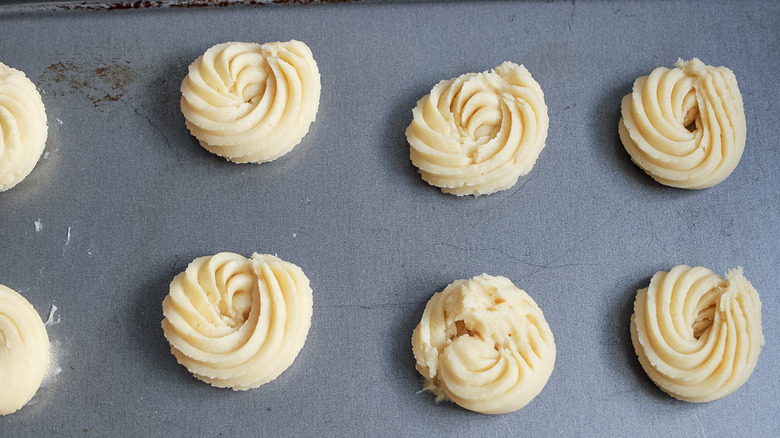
x=100 y=82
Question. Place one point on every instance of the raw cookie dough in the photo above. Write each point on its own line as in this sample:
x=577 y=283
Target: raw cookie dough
x=249 y=102
x=697 y=335
x=23 y=128
x=24 y=351
x=236 y=322
x=478 y=133
x=484 y=344
x=685 y=127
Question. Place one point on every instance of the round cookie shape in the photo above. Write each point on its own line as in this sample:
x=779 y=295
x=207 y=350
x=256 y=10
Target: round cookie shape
x=484 y=344
x=478 y=133
x=249 y=102
x=24 y=351
x=235 y=322
x=685 y=127
x=23 y=128
x=697 y=335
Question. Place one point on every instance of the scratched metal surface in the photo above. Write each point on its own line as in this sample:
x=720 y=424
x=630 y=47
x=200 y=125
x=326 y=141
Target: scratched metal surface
x=124 y=198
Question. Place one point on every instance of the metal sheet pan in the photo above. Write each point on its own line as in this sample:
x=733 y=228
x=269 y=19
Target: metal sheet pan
x=125 y=198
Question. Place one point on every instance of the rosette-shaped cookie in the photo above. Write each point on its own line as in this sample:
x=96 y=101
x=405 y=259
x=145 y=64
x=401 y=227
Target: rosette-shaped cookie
x=484 y=344
x=478 y=133
x=23 y=128
x=24 y=351
x=236 y=322
x=697 y=335
x=685 y=127
x=249 y=102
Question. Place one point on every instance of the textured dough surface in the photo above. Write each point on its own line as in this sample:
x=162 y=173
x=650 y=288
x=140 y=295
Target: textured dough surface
x=685 y=127
x=697 y=335
x=249 y=102
x=484 y=344
x=24 y=351
x=478 y=133
x=236 y=322
x=23 y=128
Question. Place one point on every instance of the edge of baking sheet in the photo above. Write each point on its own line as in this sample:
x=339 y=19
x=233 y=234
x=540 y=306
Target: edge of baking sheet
x=99 y=5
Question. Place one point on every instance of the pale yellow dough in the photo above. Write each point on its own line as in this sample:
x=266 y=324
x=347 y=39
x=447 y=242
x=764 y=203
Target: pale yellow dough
x=249 y=102
x=697 y=335
x=685 y=127
x=24 y=351
x=236 y=322
x=23 y=128
x=484 y=344
x=478 y=133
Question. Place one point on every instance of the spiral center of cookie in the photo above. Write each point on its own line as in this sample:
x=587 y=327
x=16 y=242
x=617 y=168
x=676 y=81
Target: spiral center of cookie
x=242 y=305
x=235 y=301
x=252 y=92
x=690 y=111
x=479 y=116
x=251 y=81
x=461 y=330
x=705 y=314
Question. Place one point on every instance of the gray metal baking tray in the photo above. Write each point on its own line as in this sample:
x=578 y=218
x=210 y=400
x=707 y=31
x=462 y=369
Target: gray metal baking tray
x=125 y=198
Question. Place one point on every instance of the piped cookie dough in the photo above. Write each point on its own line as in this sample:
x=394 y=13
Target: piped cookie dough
x=24 y=351
x=235 y=322
x=685 y=127
x=697 y=335
x=478 y=133
x=249 y=102
x=23 y=128
x=484 y=344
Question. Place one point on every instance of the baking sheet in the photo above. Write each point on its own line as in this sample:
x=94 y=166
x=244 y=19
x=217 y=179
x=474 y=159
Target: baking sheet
x=124 y=199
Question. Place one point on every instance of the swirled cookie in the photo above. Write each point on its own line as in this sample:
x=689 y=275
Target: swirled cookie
x=478 y=133
x=685 y=127
x=24 y=351
x=23 y=128
x=697 y=335
x=236 y=322
x=249 y=102
x=484 y=344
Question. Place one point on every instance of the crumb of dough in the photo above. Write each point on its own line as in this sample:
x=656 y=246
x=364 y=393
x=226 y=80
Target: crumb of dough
x=24 y=351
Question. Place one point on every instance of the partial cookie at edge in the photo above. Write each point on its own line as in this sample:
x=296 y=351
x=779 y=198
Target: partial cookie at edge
x=23 y=127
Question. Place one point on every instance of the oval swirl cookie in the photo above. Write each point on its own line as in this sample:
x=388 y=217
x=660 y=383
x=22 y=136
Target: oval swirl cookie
x=685 y=127
x=697 y=335
x=236 y=322
x=478 y=133
x=249 y=102
x=23 y=128
x=24 y=351
x=484 y=344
